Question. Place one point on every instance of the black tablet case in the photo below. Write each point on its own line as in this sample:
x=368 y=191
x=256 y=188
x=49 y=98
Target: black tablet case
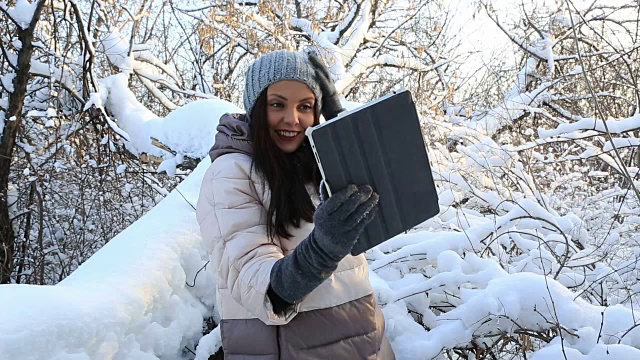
x=380 y=144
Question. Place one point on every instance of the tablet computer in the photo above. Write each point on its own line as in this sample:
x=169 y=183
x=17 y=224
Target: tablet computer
x=379 y=144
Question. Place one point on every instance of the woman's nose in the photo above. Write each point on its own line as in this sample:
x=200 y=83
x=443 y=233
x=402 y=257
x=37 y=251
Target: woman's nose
x=291 y=117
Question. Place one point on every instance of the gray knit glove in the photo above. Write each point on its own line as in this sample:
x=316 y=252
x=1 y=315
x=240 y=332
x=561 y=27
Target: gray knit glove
x=339 y=221
x=331 y=105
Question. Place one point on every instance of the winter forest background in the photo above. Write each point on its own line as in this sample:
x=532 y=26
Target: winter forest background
x=532 y=122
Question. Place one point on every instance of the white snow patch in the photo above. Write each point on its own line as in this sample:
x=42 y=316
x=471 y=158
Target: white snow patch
x=190 y=129
x=22 y=12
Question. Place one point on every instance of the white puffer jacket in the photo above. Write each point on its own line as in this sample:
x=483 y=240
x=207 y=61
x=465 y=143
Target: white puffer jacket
x=232 y=213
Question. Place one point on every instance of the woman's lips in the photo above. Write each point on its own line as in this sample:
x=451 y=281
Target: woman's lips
x=288 y=138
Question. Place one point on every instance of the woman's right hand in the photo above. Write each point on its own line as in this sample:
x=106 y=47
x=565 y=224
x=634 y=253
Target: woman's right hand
x=340 y=219
x=338 y=222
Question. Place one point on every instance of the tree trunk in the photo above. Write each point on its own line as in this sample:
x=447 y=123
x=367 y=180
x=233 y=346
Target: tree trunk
x=13 y=120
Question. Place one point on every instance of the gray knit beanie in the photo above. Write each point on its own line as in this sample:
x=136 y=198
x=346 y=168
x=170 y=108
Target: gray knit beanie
x=277 y=66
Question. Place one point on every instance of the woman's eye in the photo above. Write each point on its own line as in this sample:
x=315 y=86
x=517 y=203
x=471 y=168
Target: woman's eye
x=276 y=105
x=306 y=107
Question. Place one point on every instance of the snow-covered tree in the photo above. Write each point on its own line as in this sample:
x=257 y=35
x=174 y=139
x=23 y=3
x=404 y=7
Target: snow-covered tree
x=72 y=171
x=21 y=22
x=370 y=46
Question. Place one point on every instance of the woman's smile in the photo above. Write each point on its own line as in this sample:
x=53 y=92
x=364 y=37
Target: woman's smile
x=290 y=111
x=284 y=135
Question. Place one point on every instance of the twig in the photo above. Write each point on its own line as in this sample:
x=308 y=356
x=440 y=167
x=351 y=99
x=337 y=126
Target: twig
x=601 y=326
x=196 y=275
x=185 y=199
x=157 y=143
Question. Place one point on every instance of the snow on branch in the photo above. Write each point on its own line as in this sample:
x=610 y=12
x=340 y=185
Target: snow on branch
x=357 y=32
x=345 y=26
x=325 y=43
x=21 y=13
x=521 y=273
x=360 y=65
x=485 y=299
x=620 y=143
x=188 y=130
x=542 y=50
x=142 y=53
x=144 y=64
x=614 y=126
x=150 y=85
x=515 y=106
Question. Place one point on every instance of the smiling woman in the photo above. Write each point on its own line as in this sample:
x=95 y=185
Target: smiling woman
x=290 y=111
x=287 y=286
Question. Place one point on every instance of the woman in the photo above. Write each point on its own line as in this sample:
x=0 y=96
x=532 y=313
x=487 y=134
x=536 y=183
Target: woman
x=287 y=287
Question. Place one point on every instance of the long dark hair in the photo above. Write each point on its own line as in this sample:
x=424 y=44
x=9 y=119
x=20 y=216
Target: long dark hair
x=285 y=173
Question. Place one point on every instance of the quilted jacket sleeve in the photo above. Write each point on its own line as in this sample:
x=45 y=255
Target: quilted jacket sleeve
x=233 y=222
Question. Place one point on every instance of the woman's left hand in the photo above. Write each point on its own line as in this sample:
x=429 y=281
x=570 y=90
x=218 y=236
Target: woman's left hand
x=331 y=105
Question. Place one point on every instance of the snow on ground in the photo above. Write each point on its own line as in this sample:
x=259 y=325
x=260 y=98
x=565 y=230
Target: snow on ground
x=128 y=301
x=145 y=294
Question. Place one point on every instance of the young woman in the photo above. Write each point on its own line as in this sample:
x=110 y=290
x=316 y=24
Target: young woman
x=287 y=287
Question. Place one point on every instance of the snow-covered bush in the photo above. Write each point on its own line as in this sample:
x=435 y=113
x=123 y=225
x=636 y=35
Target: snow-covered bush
x=535 y=252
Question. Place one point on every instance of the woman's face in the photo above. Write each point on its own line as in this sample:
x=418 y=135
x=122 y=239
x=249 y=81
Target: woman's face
x=290 y=111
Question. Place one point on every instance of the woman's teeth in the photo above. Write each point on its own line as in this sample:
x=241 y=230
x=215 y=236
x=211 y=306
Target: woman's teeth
x=287 y=133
